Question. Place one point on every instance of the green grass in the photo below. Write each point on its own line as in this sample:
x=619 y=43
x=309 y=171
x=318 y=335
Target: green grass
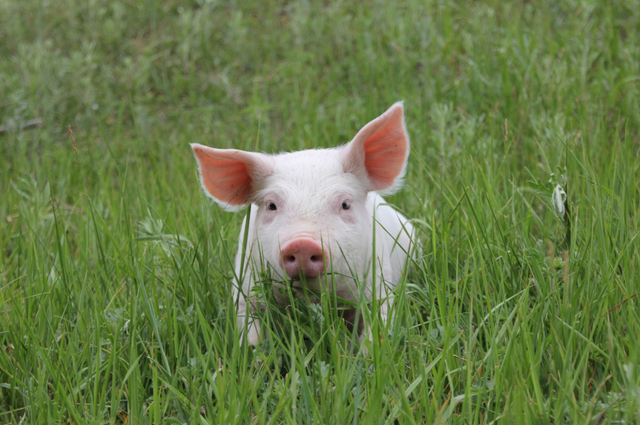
x=115 y=277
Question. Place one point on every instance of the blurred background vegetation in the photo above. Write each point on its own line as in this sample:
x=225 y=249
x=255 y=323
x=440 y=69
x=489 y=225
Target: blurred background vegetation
x=146 y=77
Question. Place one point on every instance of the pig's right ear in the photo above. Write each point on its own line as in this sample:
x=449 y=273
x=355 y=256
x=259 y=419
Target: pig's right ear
x=379 y=152
x=231 y=176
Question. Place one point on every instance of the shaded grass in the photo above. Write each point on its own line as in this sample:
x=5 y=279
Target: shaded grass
x=115 y=277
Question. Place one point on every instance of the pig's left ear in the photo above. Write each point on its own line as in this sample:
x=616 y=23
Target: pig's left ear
x=379 y=151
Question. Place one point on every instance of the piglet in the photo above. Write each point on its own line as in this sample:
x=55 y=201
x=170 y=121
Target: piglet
x=313 y=214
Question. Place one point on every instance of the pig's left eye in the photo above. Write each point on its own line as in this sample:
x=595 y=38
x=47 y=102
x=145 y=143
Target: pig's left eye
x=346 y=205
x=271 y=206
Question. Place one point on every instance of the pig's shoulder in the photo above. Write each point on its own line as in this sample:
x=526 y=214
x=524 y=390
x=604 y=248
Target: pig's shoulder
x=385 y=213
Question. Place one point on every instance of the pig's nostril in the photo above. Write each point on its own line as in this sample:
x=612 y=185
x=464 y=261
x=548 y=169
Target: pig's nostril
x=302 y=256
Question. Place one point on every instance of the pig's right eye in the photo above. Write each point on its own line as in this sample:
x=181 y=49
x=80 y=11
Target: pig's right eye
x=271 y=206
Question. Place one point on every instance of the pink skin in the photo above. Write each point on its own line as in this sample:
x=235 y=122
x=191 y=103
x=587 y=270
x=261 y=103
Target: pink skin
x=302 y=256
x=308 y=190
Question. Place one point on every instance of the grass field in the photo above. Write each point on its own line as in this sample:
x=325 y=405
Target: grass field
x=115 y=278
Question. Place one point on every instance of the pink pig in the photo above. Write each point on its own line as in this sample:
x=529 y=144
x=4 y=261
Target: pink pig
x=312 y=213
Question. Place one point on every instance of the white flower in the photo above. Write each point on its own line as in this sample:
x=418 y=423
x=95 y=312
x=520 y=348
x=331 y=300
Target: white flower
x=557 y=199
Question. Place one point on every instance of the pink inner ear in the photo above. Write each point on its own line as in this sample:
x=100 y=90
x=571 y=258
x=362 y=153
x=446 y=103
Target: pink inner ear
x=385 y=145
x=385 y=152
x=225 y=174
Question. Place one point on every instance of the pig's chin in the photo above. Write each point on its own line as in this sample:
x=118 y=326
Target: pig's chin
x=309 y=282
x=298 y=279
x=319 y=283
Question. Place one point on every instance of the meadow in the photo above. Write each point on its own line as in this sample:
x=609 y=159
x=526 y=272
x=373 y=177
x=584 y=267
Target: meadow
x=116 y=270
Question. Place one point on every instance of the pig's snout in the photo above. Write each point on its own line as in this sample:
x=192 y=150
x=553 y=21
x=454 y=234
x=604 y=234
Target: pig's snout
x=302 y=256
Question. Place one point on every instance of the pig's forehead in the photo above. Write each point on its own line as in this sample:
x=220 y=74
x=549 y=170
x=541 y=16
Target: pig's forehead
x=314 y=163
x=311 y=176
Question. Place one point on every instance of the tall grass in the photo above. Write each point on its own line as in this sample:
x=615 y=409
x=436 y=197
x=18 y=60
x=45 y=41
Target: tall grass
x=115 y=279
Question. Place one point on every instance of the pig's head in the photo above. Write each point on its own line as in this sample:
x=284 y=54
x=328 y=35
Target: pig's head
x=312 y=210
